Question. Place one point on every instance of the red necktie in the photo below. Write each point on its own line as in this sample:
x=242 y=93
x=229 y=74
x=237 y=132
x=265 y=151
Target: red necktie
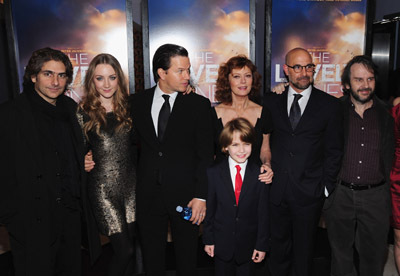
x=238 y=183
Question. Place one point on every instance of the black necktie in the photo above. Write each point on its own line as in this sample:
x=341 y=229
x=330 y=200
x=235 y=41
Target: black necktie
x=163 y=116
x=295 y=111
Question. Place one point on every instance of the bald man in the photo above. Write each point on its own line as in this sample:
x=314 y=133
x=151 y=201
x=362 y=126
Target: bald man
x=307 y=147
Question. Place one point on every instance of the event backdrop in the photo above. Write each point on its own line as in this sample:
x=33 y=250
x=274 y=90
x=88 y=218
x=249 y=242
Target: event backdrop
x=211 y=30
x=332 y=31
x=79 y=28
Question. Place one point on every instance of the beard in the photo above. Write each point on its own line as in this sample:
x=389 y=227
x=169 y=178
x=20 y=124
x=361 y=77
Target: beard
x=300 y=86
x=357 y=97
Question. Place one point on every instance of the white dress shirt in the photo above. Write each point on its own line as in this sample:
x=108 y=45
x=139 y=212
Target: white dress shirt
x=302 y=101
x=233 y=170
x=158 y=101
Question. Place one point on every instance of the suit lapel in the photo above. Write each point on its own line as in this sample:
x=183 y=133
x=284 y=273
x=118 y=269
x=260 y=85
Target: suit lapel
x=177 y=114
x=146 y=118
x=283 y=109
x=28 y=130
x=310 y=110
x=248 y=180
x=227 y=180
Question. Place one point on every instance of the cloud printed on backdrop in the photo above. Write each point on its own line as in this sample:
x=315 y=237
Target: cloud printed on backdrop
x=80 y=28
x=333 y=32
x=212 y=31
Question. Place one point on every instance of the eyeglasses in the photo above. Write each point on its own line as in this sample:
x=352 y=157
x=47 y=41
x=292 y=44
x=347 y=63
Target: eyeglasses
x=50 y=74
x=297 y=68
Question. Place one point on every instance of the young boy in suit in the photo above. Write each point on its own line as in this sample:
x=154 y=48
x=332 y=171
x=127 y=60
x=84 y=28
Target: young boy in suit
x=236 y=224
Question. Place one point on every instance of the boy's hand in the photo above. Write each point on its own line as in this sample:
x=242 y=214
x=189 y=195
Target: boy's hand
x=266 y=174
x=258 y=256
x=210 y=250
x=89 y=163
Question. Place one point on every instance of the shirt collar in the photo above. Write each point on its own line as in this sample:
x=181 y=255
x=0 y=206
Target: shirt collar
x=158 y=93
x=305 y=93
x=233 y=163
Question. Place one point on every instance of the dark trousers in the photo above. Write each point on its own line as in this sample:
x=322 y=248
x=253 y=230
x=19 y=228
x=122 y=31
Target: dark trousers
x=293 y=230
x=153 y=226
x=358 y=219
x=231 y=268
x=65 y=252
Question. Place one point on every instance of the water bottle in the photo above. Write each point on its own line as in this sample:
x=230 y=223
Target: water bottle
x=186 y=212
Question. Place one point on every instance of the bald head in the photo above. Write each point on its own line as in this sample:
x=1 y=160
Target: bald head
x=302 y=78
x=295 y=53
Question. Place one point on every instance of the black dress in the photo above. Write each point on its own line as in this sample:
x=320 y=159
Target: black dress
x=263 y=126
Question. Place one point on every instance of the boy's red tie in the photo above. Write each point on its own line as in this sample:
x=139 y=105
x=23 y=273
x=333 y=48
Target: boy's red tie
x=238 y=183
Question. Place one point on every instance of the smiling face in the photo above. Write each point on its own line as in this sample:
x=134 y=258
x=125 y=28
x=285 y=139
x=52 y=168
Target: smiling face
x=240 y=81
x=302 y=80
x=238 y=150
x=51 y=81
x=176 y=77
x=362 y=83
x=105 y=80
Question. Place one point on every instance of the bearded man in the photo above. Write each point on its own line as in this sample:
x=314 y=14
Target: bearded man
x=358 y=212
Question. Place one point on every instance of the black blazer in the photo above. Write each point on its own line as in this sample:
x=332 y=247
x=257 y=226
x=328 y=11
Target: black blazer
x=309 y=157
x=26 y=206
x=236 y=230
x=177 y=166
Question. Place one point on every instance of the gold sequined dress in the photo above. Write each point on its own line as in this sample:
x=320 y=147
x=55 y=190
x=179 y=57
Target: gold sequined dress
x=112 y=182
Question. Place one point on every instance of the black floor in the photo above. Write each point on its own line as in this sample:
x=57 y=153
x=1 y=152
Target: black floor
x=205 y=263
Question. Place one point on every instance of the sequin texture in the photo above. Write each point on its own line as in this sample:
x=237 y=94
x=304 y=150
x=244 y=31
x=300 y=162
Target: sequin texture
x=112 y=182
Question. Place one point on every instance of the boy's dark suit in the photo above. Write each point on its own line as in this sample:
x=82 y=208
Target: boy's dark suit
x=236 y=230
x=171 y=173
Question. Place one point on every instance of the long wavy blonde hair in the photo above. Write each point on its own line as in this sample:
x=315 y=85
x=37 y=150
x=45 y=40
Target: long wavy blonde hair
x=91 y=103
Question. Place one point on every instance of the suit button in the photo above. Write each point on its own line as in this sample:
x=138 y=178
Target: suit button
x=237 y=219
x=160 y=154
x=233 y=233
x=39 y=176
x=291 y=154
x=293 y=135
x=57 y=174
x=39 y=220
x=234 y=205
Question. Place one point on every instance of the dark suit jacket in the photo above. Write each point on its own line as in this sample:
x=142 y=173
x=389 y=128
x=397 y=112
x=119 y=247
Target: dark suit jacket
x=26 y=206
x=176 y=167
x=309 y=157
x=236 y=230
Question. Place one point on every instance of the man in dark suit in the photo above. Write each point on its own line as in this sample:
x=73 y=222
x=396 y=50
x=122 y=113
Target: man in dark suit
x=306 y=146
x=236 y=224
x=357 y=213
x=175 y=147
x=42 y=177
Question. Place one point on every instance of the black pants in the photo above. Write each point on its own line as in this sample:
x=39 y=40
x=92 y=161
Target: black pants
x=231 y=268
x=153 y=226
x=293 y=230
x=64 y=258
x=358 y=219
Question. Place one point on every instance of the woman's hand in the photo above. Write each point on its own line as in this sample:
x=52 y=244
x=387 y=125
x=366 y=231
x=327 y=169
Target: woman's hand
x=89 y=163
x=190 y=89
x=280 y=87
x=266 y=174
